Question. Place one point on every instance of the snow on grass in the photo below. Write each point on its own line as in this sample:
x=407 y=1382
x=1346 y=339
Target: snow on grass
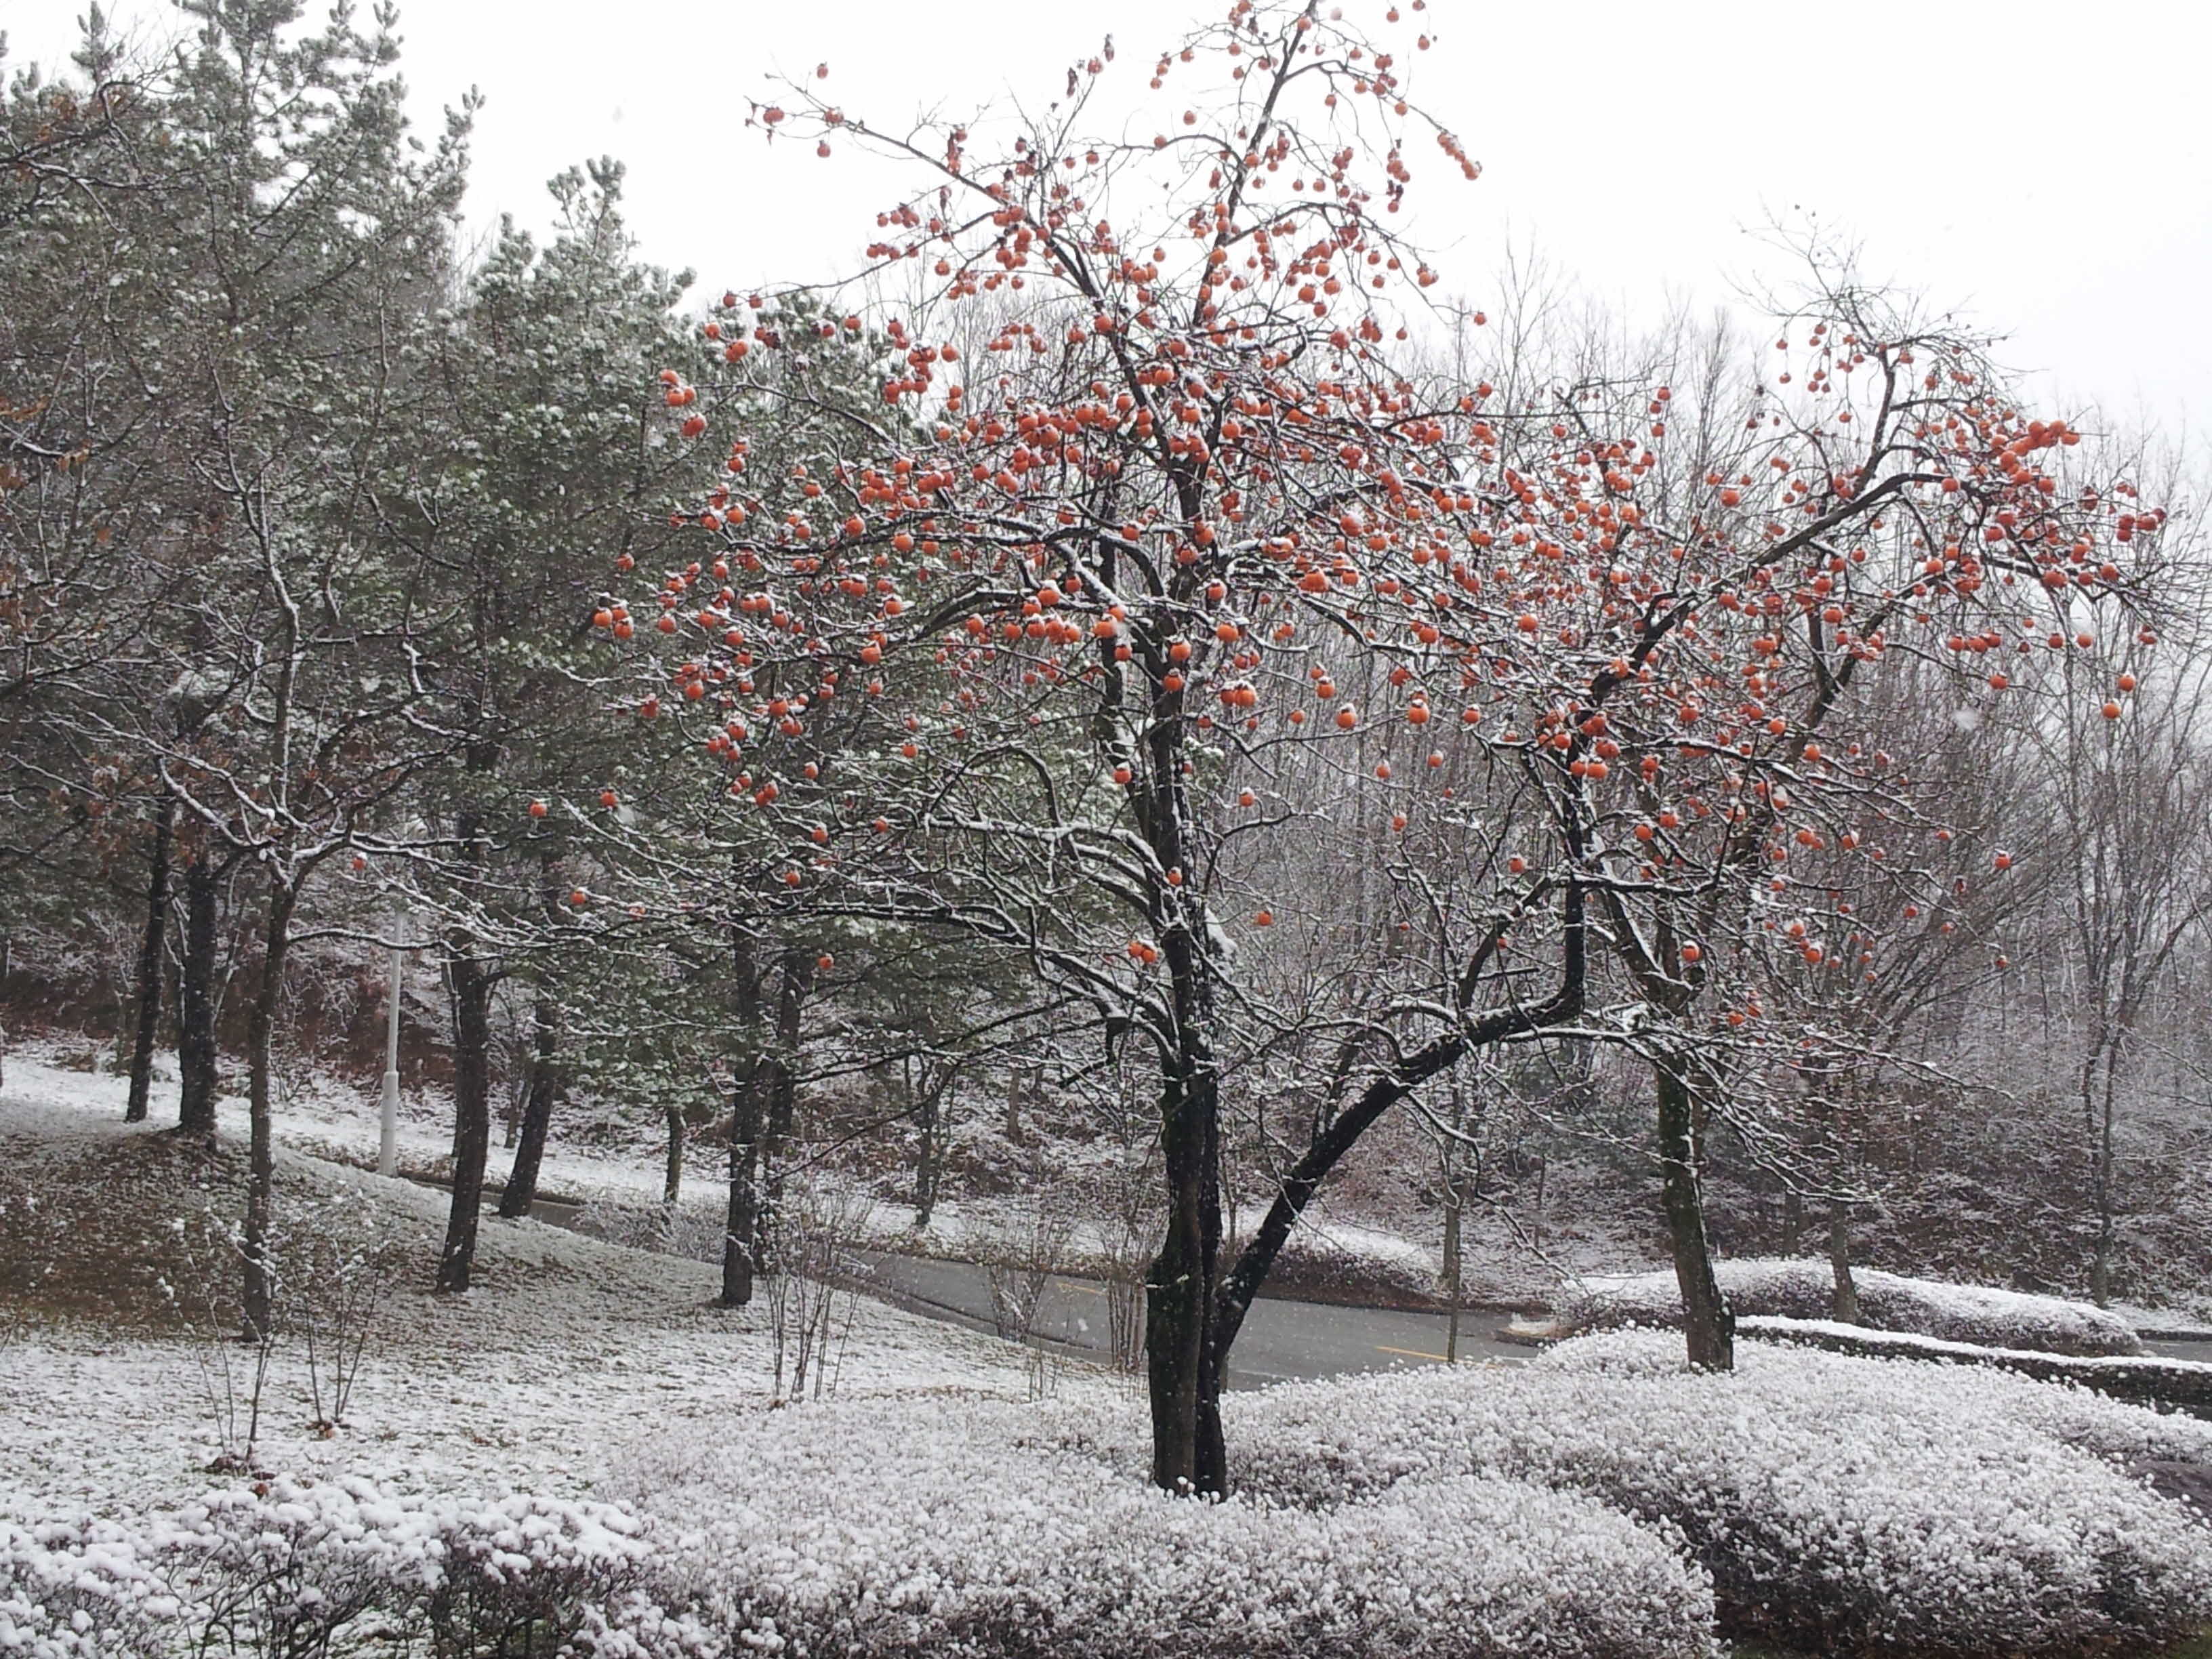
x=467 y=1490
x=1839 y=1504
x=1804 y=1288
x=580 y=1452
x=568 y=1351
x=1327 y=1254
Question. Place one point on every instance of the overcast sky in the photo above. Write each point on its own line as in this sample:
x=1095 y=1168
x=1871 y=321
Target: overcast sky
x=2046 y=172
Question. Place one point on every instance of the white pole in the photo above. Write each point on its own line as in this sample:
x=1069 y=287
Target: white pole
x=387 y=1148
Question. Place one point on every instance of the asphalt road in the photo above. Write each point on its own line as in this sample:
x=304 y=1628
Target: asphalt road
x=1279 y=1340
x=2198 y=1351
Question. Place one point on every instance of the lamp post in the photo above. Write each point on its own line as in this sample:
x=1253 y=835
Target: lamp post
x=387 y=1146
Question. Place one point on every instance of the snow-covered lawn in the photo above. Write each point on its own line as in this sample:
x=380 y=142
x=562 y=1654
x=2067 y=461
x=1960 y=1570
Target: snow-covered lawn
x=621 y=1191
x=583 y=1450
x=1796 y=1288
x=569 y=1352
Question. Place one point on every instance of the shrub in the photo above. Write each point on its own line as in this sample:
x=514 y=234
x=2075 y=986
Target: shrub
x=932 y=1528
x=291 y=1568
x=1794 y=1289
x=1839 y=1504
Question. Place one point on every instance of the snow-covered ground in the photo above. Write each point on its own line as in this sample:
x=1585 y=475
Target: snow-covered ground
x=570 y=1353
x=584 y=1439
x=336 y=1120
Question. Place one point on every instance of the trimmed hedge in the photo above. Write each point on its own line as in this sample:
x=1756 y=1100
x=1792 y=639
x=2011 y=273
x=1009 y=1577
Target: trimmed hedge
x=1793 y=1288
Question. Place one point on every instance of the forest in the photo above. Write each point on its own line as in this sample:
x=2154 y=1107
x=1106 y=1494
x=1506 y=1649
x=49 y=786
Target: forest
x=1141 y=727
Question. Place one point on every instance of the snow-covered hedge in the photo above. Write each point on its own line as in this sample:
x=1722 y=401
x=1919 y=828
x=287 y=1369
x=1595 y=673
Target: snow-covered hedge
x=1838 y=1503
x=2142 y=1379
x=288 y=1568
x=993 y=1530
x=906 y=1529
x=1789 y=1288
x=1602 y=1501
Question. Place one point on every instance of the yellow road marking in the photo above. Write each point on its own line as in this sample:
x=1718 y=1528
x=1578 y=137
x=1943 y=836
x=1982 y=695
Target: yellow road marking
x=1411 y=1354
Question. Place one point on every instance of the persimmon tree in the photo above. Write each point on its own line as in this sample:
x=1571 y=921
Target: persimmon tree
x=1191 y=524
x=1167 y=467
x=1783 y=535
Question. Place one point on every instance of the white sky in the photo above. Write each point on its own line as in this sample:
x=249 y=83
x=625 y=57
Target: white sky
x=2046 y=171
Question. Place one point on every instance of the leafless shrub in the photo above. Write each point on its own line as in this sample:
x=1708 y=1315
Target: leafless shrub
x=353 y=1255
x=234 y=1366
x=814 y=1238
x=1020 y=1273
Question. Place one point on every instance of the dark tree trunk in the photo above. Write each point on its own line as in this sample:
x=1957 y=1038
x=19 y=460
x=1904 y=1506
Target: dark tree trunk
x=1181 y=1345
x=196 y=1043
x=150 y=965
x=1843 y=1305
x=671 y=1180
x=1454 y=1268
x=261 y=1153
x=469 y=980
x=1709 y=1327
x=1295 y=1187
x=929 y=1117
x=779 y=1083
x=543 y=1094
x=741 y=1224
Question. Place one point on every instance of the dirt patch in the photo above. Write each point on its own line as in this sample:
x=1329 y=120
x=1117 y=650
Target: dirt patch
x=102 y=1229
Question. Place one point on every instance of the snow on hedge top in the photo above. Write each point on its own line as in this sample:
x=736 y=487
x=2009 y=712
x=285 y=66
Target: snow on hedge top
x=1804 y=1288
x=1841 y=1504
x=912 y=1526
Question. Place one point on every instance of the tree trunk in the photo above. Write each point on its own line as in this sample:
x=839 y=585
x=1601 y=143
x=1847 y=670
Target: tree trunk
x=1297 y=1186
x=536 y=1110
x=1844 y=1304
x=1793 y=1221
x=261 y=1154
x=196 y=1042
x=1708 y=1326
x=468 y=981
x=778 y=1082
x=1453 y=1268
x=671 y=1181
x=741 y=1222
x=929 y=1117
x=1181 y=1346
x=150 y=965
x=2100 y=1263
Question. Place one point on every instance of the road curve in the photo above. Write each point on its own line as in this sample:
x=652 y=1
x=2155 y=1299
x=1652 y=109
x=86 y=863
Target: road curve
x=1279 y=1340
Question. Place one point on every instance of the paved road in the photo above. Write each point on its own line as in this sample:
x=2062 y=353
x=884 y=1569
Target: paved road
x=2198 y=1351
x=1279 y=1340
